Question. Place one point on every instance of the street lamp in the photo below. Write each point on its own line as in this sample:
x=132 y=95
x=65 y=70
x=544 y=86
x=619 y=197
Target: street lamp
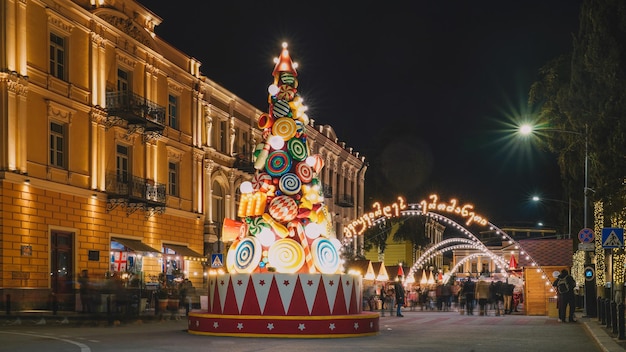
x=590 y=293
x=569 y=231
x=527 y=129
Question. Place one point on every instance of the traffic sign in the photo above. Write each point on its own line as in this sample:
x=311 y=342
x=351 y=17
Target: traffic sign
x=586 y=235
x=587 y=247
x=217 y=260
x=612 y=237
x=590 y=272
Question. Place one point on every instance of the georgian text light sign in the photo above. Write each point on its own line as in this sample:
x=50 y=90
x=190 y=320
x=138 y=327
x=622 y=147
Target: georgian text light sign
x=465 y=211
x=358 y=226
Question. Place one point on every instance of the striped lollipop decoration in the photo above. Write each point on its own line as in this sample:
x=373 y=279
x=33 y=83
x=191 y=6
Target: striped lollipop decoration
x=289 y=184
x=325 y=256
x=278 y=163
x=284 y=128
x=304 y=172
x=297 y=149
x=286 y=255
x=261 y=181
x=244 y=255
x=298 y=229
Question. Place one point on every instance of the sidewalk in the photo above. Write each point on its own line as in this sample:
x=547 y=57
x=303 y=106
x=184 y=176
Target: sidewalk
x=602 y=336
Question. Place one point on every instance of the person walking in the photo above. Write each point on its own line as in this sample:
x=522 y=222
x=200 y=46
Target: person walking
x=482 y=295
x=85 y=291
x=469 y=288
x=507 y=296
x=564 y=285
x=400 y=297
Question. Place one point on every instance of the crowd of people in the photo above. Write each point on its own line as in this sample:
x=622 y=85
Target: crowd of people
x=465 y=296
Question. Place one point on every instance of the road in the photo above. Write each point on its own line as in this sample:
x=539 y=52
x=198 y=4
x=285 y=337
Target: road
x=423 y=331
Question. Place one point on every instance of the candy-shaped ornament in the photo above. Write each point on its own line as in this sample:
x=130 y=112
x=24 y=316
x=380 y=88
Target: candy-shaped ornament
x=289 y=79
x=289 y=184
x=281 y=108
x=303 y=171
x=297 y=148
x=261 y=182
x=286 y=92
x=278 y=163
x=283 y=208
x=284 y=128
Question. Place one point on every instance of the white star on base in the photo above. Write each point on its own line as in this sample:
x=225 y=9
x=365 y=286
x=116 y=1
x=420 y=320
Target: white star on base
x=270 y=326
x=216 y=325
x=301 y=327
x=239 y=326
x=331 y=326
x=356 y=326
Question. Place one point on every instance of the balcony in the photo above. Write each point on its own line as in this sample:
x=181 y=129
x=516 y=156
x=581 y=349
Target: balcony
x=244 y=164
x=136 y=113
x=135 y=193
x=345 y=201
x=327 y=190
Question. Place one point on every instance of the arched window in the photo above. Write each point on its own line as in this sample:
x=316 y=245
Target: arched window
x=217 y=201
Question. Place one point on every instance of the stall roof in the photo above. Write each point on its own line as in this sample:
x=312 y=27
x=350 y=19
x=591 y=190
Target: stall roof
x=184 y=251
x=135 y=245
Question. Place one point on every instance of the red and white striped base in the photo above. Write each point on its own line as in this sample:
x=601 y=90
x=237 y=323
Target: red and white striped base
x=284 y=305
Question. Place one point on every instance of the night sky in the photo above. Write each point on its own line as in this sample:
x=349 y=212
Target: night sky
x=423 y=89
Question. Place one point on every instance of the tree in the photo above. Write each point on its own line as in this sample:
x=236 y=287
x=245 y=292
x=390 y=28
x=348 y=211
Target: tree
x=586 y=92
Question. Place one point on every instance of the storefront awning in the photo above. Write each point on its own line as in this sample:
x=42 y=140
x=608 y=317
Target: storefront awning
x=135 y=245
x=185 y=251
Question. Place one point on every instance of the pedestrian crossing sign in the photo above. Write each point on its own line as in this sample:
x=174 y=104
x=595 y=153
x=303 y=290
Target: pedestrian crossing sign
x=217 y=260
x=612 y=237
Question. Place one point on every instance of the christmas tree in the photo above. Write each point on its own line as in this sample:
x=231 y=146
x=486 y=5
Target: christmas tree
x=285 y=226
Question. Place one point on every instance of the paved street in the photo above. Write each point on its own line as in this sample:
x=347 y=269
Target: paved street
x=423 y=331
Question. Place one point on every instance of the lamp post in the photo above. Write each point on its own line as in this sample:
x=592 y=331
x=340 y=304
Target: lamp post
x=527 y=129
x=590 y=293
x=569 y=206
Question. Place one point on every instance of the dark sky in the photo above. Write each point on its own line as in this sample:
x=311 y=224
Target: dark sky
x=423 y=89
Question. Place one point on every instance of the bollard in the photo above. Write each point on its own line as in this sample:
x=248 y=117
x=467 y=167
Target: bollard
x=109 y=311
x=55 y=304
x=8 y=305
x=601 y=315
x=620 y=317
x=607 y=312
x=614 y=317
x=599 y=305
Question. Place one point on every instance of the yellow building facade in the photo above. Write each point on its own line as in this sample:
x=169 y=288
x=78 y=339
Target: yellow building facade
x=118 y=156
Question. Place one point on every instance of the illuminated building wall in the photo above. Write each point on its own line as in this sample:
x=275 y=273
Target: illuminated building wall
x=109 y=134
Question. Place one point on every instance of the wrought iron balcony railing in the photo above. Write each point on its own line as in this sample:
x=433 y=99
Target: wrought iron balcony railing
x=135 y=193
x=136 y=110
x=327 y=190
x=345 y=201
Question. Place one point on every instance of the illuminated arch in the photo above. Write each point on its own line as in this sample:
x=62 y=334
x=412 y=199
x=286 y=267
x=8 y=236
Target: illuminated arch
x=433 y=209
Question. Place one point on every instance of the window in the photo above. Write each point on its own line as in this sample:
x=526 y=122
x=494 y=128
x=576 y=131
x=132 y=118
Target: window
x=57 y=56
x=173 y=178
x=122 y=164
x=244 y=144
x=223 y=133
x=123 y=81
x=217 y=199
x=57 y=145
x=172 y=111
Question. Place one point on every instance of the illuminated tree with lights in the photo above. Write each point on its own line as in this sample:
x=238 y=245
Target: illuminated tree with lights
x=285 y=227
